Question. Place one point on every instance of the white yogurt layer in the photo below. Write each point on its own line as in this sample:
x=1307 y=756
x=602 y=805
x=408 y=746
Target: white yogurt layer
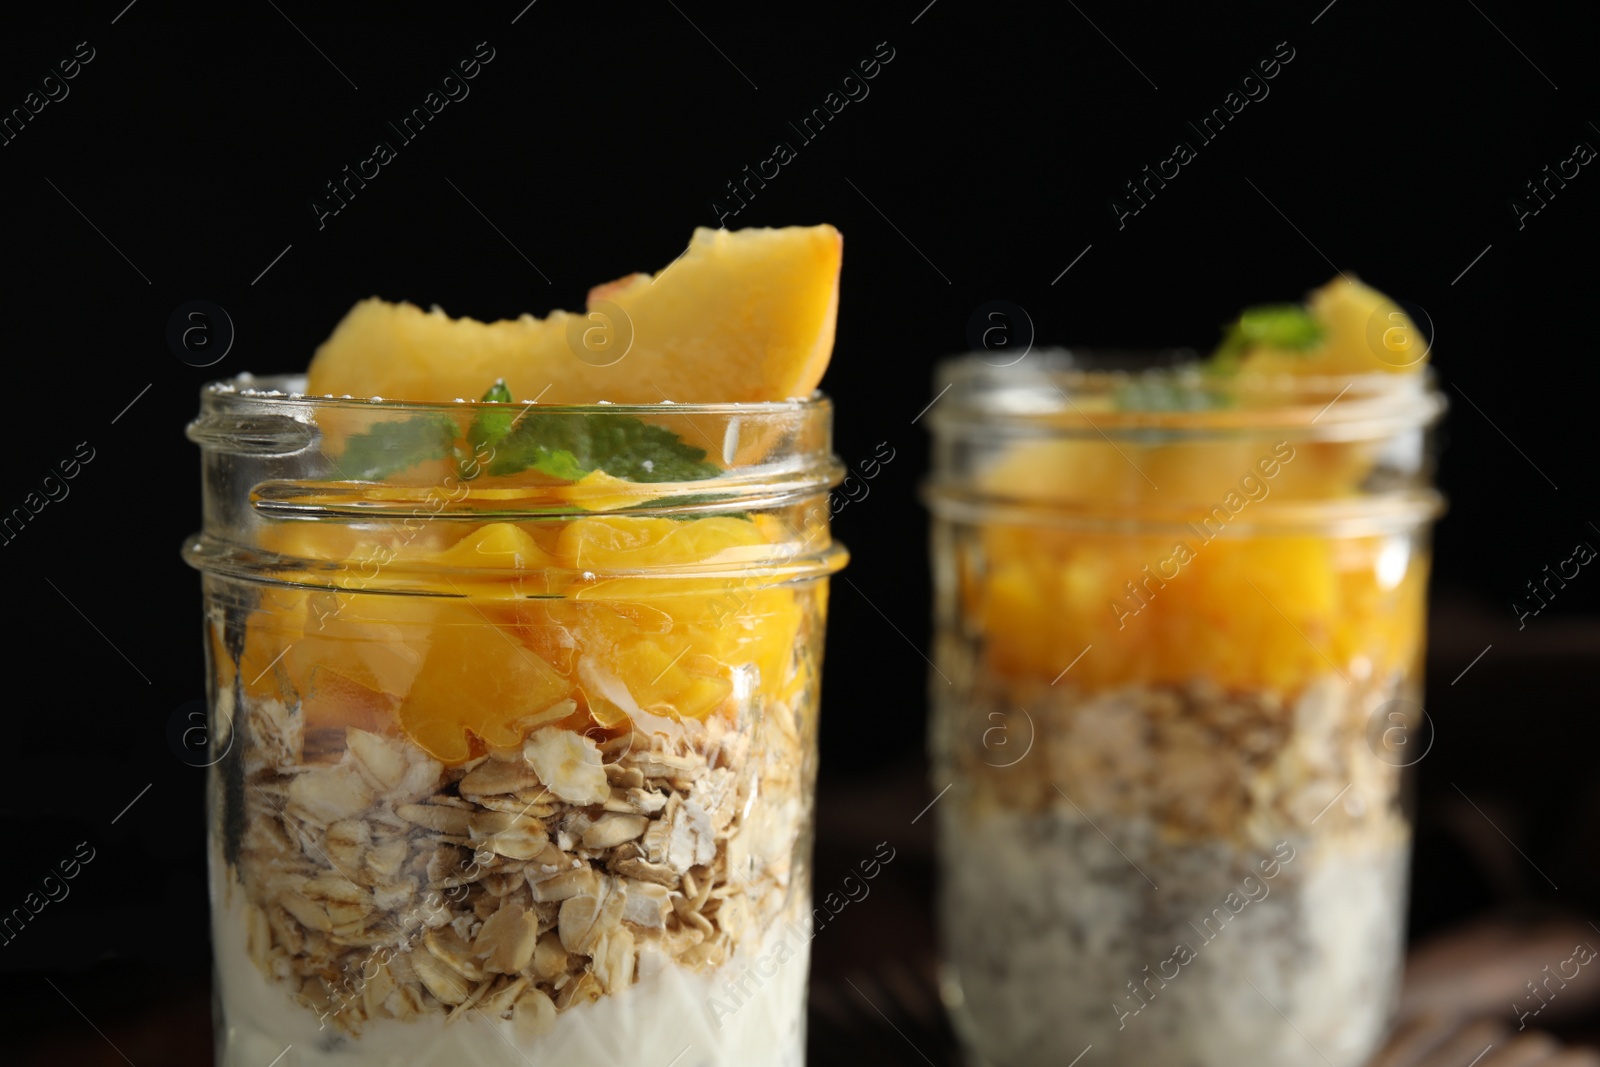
x=1056 y=940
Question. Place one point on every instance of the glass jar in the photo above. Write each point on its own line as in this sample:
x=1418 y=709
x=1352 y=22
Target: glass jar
x=1179 y=640
x=511 y=767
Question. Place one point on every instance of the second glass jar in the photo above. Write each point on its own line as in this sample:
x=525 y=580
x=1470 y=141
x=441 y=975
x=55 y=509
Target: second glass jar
x=1179 y=632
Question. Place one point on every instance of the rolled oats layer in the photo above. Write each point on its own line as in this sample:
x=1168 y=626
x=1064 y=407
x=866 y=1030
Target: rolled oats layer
x=1157 y=851
x=377 y=886
x=1198 y=761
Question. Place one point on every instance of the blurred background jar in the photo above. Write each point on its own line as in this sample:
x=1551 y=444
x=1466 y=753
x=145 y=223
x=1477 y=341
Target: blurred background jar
x=1179 y=633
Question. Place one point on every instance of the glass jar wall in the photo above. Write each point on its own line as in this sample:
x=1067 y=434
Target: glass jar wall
x=511 y=767
x=1179 y=632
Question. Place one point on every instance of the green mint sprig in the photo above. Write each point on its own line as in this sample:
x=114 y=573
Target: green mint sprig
x=491 y=424
x=1289 y=327
x=620 y=445
x=391 y=447
x=558 y=445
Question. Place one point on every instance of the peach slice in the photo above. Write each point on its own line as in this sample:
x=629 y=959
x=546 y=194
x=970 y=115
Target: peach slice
x=741 y=316
x=478 y=686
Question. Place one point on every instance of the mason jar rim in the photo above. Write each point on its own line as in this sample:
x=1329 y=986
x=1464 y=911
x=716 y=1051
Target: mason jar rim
x=290 y=388
x=1007 y=398
x=265 y=463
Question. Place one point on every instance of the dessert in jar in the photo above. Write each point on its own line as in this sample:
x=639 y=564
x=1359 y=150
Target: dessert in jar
x=1179 y=630
x=515 y=702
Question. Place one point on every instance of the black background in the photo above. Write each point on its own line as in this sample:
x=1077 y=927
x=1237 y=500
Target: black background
x=981 y=164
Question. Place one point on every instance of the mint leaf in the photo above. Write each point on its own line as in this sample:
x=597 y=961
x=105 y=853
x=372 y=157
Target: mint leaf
x=621 y=445
x=1282 y=326
x=391 y=447
x=564 y=445
x=491 y=425
x=560 y=464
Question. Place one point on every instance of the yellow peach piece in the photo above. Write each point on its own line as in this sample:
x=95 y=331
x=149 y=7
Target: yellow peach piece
x=741 y=316
x=478 y=686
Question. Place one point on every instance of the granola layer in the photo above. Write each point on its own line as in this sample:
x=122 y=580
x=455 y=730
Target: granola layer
x=378 y=884
x=1200 y=762
x=1121 y=867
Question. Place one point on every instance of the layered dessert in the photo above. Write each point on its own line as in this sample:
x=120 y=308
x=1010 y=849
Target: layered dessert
x=1180 y=626
x=518 y=700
